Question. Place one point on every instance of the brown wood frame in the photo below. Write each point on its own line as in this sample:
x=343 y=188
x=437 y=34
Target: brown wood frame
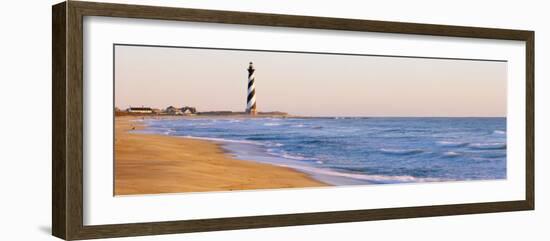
x=67 y=120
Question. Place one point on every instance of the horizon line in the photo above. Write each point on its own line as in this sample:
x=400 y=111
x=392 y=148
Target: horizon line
x=340 y=116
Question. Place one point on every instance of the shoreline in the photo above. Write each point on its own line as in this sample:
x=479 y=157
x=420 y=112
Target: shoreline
x=142 y=168
x=289 y=116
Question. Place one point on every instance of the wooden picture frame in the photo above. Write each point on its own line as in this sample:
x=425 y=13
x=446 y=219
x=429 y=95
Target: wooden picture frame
x=67 y=120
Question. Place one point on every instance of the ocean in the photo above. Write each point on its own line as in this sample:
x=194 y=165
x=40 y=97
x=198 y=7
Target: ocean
x=349 y=150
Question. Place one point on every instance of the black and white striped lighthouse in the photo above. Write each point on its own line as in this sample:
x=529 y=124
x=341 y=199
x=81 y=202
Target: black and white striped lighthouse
x=251 y=94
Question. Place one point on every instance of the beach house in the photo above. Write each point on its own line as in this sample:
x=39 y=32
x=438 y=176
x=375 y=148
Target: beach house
x=171 y=110
x=188 y=110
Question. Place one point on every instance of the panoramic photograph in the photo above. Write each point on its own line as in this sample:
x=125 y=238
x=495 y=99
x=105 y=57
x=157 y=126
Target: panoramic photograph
x=189 y=119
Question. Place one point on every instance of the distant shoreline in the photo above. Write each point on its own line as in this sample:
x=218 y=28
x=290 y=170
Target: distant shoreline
x=209 y=113
x=277 y=114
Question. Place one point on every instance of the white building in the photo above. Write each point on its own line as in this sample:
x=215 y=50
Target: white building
x=140 y=110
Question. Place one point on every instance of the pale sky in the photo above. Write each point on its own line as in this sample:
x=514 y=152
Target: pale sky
x=309 y=84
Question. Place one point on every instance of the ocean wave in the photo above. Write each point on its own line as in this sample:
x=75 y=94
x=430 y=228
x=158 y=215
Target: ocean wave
x=315 y=142
x=401 y=151
x=294 y=157
x=494 y=155
x=259 y=138
x=451 y=154
x=499 y=132
x=452 y=143
x=274 y=144
x=224 y=140
x=286 y=155
x=367 y=177
x=271 y=124
x=488 y=146
x=389 y=130
x=348 y=118
x=484 y=159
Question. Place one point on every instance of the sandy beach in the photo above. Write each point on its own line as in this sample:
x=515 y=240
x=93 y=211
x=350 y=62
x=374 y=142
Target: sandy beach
x=152 y=164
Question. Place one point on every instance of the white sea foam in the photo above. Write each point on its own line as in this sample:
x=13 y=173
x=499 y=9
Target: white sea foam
x=499 y=132
x=271 y=124
x=489 y=146
x=452 y=143
x=364 y=177
x=325 y=174
x=224 y=140
x=401 y=151
x=294 y=157
x=483 y=159
x=451 y=154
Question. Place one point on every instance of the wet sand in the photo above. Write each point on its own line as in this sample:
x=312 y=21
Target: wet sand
x=153 y=164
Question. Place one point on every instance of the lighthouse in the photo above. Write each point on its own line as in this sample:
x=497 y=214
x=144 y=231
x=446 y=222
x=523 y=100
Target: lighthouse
x=251 y=93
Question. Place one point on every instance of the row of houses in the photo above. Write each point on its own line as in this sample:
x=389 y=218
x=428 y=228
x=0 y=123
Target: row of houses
x=170 y=110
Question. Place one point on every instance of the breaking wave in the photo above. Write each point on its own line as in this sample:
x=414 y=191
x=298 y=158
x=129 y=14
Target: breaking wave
x=488 y=146
x=401 y=151
x=452 y=143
